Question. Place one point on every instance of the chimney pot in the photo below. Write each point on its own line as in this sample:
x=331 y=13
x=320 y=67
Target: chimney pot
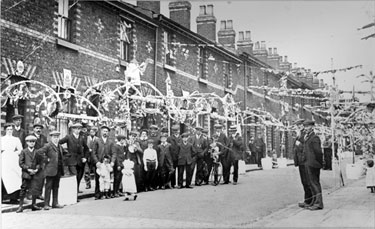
x=240 y=36
x=257 y=45
x=248 y=35
x=229 y=24
x=223 y=25
x=285 y=58
x=269 y=51
x=295 y=64
x=263 y=45
x=274 y=51
x=210 y=10
x=202 y=10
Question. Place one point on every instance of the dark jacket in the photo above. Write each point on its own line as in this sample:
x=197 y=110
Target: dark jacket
x=21 y=134
x=77 y=149
x=165 y=158
x=100 y=149
x=40 y=142
x=313 y=151
x=299 y=154
x=29 y=160
x=185 y=154
x=174 y=148
x=200 y=145
x=52 y=157
x=119 y=155
x=237 y=148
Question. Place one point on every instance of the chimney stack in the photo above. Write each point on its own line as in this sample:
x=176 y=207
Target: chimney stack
x=179 y=11
x=263 y=45
x=285 y=59
x=269 y=51
x=244 y=43
x=274 y=51
x=150 y=5
x=206 y=22
x=226 y=34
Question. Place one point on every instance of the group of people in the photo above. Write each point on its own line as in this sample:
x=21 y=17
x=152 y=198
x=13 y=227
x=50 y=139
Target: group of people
x=124 y=166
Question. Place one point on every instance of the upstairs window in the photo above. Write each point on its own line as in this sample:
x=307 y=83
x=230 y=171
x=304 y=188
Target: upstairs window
x=226 y=75
x=125 y=43
x=168 y=48
x=64 y=22
x=202 y=63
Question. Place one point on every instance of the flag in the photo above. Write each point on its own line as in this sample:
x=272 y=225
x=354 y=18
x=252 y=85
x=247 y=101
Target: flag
x=367 y=26
x=365 y=38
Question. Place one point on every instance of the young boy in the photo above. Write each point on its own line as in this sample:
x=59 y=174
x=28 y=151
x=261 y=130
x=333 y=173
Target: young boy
x=104 y=171
x=30 y=162
x=150 y=161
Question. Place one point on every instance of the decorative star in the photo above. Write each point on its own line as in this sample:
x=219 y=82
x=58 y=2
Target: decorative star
x=149 y=47
x=215 y=68
x=185 y=52
x=100 y=25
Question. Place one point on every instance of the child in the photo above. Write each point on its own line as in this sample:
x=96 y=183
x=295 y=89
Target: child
x=128 y=180
x=275 y=165
x=370 y=175
x=150 y=161
x=104 y=171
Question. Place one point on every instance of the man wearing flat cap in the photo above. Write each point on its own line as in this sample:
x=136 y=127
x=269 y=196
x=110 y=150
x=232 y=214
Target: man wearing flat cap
x=313 y=164
x=175 y=140
x=235 y=154
x=41 y=139
x=185 y=159
x=200 y=146
x=54 y=170
x=78 y=152
x=103 y=146
x=119 y=156
x=18 y=131
x=90 y=166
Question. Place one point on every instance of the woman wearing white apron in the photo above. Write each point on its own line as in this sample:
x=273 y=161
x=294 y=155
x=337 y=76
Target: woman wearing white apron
x=10 y=170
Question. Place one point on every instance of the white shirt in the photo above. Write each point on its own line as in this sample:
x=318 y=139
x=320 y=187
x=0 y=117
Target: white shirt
x=150 y=154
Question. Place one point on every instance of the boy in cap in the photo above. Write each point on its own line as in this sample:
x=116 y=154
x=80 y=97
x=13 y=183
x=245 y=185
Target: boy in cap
x=54 y=170
x=150 y=161
x=185 y=159
x=78 y=152
x=165 y=161
x=174 y=140
x=18 y=131
x=30 y=162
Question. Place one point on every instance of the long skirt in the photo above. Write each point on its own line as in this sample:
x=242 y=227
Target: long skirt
x=11 y=172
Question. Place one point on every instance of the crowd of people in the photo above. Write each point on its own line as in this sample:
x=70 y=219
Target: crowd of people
x=123 y=166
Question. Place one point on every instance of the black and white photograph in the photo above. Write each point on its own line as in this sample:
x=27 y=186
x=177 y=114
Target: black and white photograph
x=187 y=114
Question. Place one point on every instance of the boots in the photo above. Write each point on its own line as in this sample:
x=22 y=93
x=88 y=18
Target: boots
x=20 y=208
x=33 y=204
x=107 y=195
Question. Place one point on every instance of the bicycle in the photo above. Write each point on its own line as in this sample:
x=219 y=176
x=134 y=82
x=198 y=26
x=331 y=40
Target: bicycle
x=217 y=169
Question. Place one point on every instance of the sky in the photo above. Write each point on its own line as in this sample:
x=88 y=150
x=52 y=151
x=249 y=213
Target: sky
x=317 y=35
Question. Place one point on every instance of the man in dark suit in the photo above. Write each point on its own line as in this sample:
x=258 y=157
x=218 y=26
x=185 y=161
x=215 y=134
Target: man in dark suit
x=90 y=166
x=18 y=131
x=258 y=148
x=236 y=153
x=200 y=147
x=78 y=152
x=103 y=146
x=299 y=160
x=185 y=158
x=175 y=140
x=118 y=157
x=314 y=162
x=41 y=140
x=54 y=170
x=165 y=163
x=223 y=143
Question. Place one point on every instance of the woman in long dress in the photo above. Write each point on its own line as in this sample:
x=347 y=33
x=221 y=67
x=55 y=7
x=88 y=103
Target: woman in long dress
x=11 y=172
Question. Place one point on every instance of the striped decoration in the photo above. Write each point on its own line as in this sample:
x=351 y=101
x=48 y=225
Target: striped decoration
x=11 y=66
x=58 y=77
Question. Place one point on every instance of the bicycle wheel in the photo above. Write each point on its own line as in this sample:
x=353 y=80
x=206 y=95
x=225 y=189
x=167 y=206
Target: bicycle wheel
x=219 y=169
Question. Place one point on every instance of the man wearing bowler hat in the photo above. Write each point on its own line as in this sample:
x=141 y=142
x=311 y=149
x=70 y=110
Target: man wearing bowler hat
x=78 y=152
x=54 y=170
x=18 y=131
x=103 y=146
x=175 y=140
x=313 y=164
x=41 y=139
x=200 y=147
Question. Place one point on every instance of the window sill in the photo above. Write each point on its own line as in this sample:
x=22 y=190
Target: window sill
x=169 y=67
x=67 y=44
x=229 y=90
x=203 y=81
x=123 y=63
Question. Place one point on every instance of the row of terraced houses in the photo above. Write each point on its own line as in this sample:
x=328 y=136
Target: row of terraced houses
x=91 y=39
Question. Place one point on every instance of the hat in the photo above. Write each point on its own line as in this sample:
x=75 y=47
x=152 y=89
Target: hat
x=205 y=131
x=30 y=138
x=120 y=137
x=164 y=130
x=299 y=122
x=76 y=125
x=185 y=135
x=217 y=125
x=150 y=140
x=94 y=128
x=232 y=128
x=38 y=124
x=133 y=132
x=215 y=136
x=17 y=116
x=105 y=127
x=154 y=127
x=175 y=127
x=144 y=130
x=308 y=123
x=164 y=135
x=6 y=125
x=199 y=128
x=54 y=133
